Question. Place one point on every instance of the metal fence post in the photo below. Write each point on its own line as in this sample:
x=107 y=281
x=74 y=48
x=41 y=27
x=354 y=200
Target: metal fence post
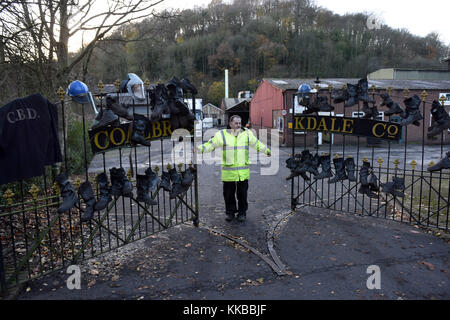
x=2 y=271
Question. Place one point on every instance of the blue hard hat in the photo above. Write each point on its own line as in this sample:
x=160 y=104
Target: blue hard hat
x=79 y=92
x=304 y=88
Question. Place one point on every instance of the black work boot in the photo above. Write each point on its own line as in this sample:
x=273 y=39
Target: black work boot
x=229 y=216
x=353 y=93
x=188 y=177
x=153 y=181
x=87 y=194
x=165 y=181
x=117 y=108
x=340 y=96
x=364 y=180
x=104 y=190
x=298 y=167
x=394 y=188
x=161 y=102
x=441 y=119
x=340 y=174
x=107 y=117
x=325 y=162
x=363 y=91
x=394 y=107
x=308 y=162
x=187 y=121
x=412 y=112
x=142 y=185
x=350 y=167
x=324 y=105
x=291 y=163
x=140 y=124
x=68 y=193
x=443 y=164
x=121 y=186
x=188 y=86
x=177 y=187
x=373 y=182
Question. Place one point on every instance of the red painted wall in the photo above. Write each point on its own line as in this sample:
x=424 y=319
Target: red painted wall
x=266 y=99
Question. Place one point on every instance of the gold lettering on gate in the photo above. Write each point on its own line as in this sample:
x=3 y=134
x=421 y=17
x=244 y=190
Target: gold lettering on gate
x=374 y=130
x=347 y=123
x=96 y=142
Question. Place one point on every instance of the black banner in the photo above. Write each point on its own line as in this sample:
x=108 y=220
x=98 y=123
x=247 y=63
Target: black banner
x=354 y=126
x=109 y=137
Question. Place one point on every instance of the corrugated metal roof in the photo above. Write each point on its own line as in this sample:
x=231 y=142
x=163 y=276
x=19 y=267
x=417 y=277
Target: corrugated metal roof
x=293 y=84
x=232 y=102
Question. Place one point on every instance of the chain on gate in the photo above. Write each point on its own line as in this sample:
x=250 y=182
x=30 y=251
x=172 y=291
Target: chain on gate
x=364 y=181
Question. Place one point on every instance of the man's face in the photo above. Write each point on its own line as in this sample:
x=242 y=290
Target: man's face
x=235 y=124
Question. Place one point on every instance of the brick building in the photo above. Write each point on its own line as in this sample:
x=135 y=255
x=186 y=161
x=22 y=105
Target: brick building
x=275 y=95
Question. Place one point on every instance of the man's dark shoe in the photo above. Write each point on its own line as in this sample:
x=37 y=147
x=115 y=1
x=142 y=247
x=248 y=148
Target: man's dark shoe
x=241 y=217
x=443 y=164
x=441 y=119
x=229 y=216
x=68 y=193
x=340 y=96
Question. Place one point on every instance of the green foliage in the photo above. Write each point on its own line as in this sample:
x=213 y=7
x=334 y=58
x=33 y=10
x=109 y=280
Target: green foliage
x=256 y=39
x=76 y=148
x=216 y=92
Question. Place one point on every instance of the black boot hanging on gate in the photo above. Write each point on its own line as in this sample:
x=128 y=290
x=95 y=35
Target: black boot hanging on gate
x=444 y=163
x=350 y=168
x=325 y=162
x=68 y=193
x=441 y=119
x=121 y=186
x=412 y=113
x=364 y=181
x=143 y=188
x=140 y=125
x=340 y=173
x=104 y=190
x=87 y=194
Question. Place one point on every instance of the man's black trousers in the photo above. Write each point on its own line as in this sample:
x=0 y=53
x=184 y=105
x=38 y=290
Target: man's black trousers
x=230 y=191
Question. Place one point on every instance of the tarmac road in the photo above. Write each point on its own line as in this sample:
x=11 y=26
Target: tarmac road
x=325 y=254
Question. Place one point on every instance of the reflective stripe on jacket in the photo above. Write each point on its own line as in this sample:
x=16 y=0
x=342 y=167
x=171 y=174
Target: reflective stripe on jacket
x=235 y=152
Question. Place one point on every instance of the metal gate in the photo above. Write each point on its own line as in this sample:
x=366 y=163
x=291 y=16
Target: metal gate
x=36 y=240
x=426 y=195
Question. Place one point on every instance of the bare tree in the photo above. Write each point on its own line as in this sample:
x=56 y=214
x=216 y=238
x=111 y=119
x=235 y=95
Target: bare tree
x=37 y=33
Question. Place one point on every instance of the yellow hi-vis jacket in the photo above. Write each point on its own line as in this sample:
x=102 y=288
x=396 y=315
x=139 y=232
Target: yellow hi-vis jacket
x=235 y=152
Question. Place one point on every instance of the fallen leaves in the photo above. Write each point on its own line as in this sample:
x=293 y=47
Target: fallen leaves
x=430 y=266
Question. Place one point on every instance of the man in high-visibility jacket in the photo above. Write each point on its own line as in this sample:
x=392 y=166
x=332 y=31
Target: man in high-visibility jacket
x=235 y=145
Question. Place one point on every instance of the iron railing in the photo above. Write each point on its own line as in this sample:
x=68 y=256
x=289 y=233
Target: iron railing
x=36 y=240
